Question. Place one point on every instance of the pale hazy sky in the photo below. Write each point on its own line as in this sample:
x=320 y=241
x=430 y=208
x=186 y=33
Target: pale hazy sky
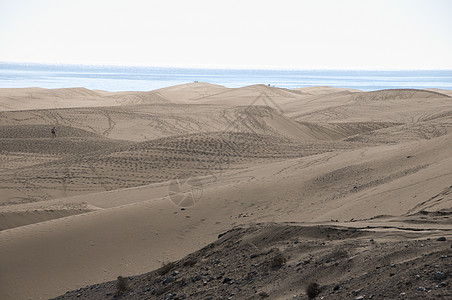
x=325 y=34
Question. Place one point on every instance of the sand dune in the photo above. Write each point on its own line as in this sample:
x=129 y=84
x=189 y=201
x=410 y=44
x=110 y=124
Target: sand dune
x=39 y=98
x=325 y=90
x=225 y=204
x=84 y=162
x=253 y=95
x=382 y=106
x=100 y=199
x=191 y=91
x=441 y=91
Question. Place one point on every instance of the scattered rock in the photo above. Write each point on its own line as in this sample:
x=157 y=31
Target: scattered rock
x=227 y=280
x=421 y=289
x=222 y=234
x=439 y=275
x=168 y=280
x=441 y=239
x=356 y=292
x=169 y=297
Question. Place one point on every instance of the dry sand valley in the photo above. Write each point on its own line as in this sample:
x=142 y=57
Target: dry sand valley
x=199 y=191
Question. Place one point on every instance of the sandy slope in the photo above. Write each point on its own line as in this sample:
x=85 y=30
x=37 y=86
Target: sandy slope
x=191 y=91
x=325 y=90
x=93 y=203
x=38 y=98
x=441 y=91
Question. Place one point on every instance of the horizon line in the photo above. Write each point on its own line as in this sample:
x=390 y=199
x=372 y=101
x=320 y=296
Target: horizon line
x=256 y=68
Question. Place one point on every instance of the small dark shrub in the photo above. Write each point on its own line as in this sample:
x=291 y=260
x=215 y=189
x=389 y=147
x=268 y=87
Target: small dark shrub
x=277 y=261
x=162 y=290
x=190 y=262
x=165 y=268
x=264 y=295
x=122 y=285
x=313 y=290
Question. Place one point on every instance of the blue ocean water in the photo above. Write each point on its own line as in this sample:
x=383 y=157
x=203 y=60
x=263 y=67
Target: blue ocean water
x=117 y=78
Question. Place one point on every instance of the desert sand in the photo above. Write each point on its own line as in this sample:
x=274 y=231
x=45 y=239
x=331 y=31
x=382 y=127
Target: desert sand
x=250 y=192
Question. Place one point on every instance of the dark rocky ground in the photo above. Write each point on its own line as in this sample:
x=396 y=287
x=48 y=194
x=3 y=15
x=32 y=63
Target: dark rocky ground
x=279 y=261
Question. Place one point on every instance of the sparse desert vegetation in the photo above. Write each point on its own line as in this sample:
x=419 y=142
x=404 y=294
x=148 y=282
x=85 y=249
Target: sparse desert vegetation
x=313 y=290
x=122 y=286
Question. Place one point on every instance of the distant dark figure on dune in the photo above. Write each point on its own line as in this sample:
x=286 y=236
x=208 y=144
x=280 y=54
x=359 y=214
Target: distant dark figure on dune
x=53 y=132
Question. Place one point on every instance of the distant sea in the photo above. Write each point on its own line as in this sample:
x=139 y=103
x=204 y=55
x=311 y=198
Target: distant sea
x=118 y=78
